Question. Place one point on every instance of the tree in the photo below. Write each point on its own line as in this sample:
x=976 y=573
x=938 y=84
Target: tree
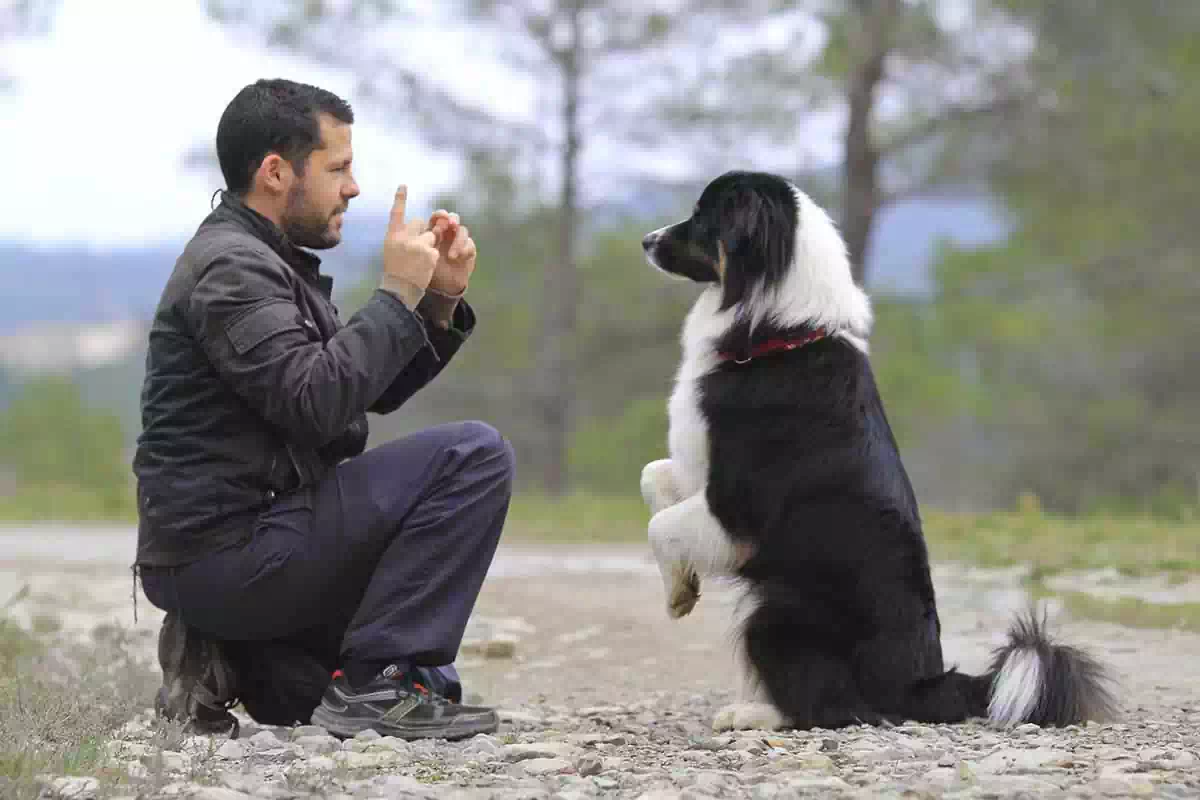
x=576 y=53
x=1082 y=328
x=909 y=82
x=626 y=342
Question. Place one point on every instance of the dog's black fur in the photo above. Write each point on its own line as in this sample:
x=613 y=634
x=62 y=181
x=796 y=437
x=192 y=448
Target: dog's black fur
x=805 y=474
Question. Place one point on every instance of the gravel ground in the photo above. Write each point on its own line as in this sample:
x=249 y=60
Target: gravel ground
x=603 y=696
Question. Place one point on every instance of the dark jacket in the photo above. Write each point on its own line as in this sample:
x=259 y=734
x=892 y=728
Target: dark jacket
x=255 y=388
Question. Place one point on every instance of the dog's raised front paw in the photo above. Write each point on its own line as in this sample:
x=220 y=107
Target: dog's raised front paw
x=748 y=717
x=683 y=594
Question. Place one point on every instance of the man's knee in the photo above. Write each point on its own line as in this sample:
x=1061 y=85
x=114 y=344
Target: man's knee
x=488 y=447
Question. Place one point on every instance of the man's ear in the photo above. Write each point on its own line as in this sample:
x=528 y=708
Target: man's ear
x=275 y=174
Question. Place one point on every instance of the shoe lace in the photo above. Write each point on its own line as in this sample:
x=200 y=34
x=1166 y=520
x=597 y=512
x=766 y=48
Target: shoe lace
x=430 y=697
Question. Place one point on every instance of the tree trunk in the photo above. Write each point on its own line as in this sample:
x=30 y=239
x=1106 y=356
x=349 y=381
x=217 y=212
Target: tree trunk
x=561 y=290
x=860 y=174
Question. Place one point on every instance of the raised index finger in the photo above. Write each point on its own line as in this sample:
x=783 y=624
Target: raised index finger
x=396 y=221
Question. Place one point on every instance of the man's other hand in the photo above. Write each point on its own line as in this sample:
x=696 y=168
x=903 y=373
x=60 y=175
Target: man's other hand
x=456 y=254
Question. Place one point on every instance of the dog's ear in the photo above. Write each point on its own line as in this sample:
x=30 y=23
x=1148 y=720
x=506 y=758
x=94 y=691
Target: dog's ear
x=756 y=244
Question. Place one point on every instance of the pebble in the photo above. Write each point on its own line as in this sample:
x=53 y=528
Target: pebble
x=545 y=766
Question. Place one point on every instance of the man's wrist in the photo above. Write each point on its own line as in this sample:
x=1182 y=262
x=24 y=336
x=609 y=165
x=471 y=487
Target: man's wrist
x=406 y=291
x=439 y=306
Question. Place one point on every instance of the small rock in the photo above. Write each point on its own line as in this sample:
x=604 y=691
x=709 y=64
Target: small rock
x=606 y=783
x=283 y=755
x=1174 y=759
x=829 y=745
x=320 y=744
x=1009 y=785
x=370 y=734
x=318 y=764
x=75 y=788
x=1014 y=760
x=231 y=750
x=942 y=777
x=601 y=711
x=483 y=743
x=264 y=740
x=308 y=730
x=398 y=785
x=811 y=784
x=523 y=752
x=1121 y=787
x=589 y=765
x=615 y=739
x=389 y=743
x=546 y=766
x=219 y=793
x=368 y=760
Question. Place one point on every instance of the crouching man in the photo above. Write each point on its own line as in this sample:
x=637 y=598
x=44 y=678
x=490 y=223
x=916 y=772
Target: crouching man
x=301 y=574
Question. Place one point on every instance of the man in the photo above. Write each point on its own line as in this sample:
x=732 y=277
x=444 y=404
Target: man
x=300 y=574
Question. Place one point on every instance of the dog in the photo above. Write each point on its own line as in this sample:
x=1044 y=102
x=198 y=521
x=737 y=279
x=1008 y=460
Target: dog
x=784 y=475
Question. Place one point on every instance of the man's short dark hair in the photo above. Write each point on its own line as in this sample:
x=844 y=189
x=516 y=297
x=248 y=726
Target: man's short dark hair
x=273 y=116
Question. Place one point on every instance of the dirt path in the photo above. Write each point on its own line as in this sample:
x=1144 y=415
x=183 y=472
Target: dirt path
x=605 y=696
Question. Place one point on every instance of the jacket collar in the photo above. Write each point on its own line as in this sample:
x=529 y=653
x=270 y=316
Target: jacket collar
x=306 y=264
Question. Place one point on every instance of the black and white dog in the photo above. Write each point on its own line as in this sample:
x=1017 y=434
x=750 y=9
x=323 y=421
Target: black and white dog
x=784 y=474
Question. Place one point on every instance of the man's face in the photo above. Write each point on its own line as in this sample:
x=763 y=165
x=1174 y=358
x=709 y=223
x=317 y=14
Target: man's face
x=318 y=198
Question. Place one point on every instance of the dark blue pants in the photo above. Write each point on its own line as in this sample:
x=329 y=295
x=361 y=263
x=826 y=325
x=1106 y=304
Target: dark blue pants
x=380 y=563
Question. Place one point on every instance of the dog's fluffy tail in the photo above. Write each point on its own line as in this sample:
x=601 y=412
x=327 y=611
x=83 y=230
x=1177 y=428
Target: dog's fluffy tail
x=1034 y=679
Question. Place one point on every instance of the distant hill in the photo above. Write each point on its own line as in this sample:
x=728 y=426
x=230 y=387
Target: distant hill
x=76 y=284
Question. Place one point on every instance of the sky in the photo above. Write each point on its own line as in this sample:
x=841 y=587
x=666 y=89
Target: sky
x=107 y=104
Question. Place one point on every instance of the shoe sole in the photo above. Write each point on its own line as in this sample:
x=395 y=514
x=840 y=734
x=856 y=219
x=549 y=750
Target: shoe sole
x=348 y=727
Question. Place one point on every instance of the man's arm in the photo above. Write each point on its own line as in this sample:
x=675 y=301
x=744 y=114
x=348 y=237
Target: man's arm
x=449 y=321
x=246 y=319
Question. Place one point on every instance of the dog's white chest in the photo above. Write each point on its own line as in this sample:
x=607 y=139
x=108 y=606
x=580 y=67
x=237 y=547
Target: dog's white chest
x=688 y=436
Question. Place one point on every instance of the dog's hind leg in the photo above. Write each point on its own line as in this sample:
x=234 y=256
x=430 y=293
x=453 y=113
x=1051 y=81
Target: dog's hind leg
x=689 y=543
x=804 y=682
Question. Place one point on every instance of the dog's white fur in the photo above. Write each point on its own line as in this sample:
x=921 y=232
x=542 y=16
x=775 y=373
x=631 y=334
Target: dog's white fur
x=687 y=540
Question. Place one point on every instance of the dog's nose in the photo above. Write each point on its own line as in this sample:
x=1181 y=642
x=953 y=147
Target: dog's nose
x=648 y=240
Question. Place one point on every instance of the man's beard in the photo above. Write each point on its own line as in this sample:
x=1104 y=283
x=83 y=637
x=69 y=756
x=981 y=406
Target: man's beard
x=304 y=227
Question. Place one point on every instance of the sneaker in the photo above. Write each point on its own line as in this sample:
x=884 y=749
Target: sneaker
x=396 y=704
x=198 y=681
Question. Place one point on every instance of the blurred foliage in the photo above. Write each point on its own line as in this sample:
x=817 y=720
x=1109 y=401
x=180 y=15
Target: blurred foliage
x=65 y=457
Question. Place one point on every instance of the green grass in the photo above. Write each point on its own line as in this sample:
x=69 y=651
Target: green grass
x=1132 y=612
x=578 y=518
x=67 y=504
x=1050 y=543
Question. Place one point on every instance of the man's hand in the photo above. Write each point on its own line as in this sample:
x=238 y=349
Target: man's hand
x=410 y=252
x=456 y=254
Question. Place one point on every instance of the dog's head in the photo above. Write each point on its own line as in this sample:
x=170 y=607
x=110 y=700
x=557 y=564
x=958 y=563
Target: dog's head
x=771 y=251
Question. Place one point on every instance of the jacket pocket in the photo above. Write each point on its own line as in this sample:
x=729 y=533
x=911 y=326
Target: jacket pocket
x=261 y=322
